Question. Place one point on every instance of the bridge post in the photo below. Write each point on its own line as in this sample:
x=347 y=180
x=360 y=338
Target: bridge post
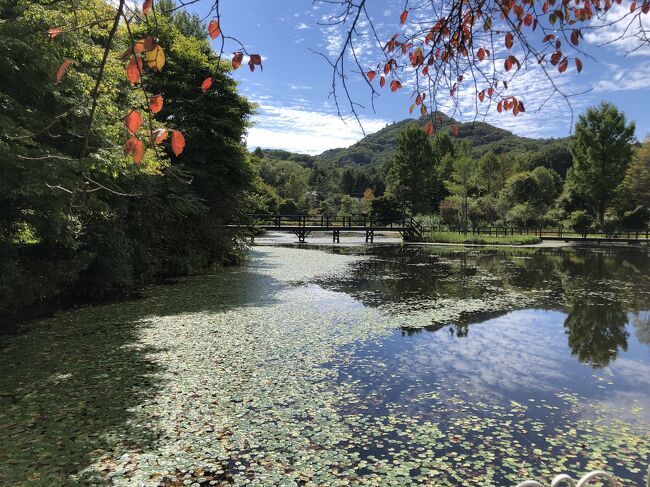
x=336 y=236
x=370 y=236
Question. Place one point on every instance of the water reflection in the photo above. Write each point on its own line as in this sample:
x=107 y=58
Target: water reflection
x=596 y=289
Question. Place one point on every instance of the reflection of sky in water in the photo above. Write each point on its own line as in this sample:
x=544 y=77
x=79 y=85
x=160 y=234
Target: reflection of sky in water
x=518 y=356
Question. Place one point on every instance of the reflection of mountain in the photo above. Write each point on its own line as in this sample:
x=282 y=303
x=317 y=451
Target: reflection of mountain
x=595 y=332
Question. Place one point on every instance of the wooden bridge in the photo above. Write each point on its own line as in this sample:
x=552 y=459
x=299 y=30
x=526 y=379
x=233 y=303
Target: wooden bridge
x=303 y=225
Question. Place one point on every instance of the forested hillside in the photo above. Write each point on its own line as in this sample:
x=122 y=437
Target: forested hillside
x=379 y=148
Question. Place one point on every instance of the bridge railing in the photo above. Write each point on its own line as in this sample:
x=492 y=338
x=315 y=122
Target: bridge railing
x=336 y=222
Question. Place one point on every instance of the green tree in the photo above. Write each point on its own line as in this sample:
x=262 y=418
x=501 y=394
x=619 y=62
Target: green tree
x=462 y=181
x=411 y=176
x=601 y=153
x=488 y=169
x=636 y=184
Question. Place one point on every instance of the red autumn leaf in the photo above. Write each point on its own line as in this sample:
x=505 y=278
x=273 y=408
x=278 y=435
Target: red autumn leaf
x=489 y=92
x=403 y=17
x=481 y=54
x=134 y=69
x=646 y=7
x=54 y=32
x=455 y=129
x=135 y=148
x=555 y=57
x=146 y=6
x=155 y=103
x=207 y=83
x=578 y=65
x=633 y=7
x=575 y=37
x=528 y=20
x=133 y=121
x=382 y=81
x=149 y=44
x=563 y=65
x=178 y=143
x=509 y=40
x=520 y=104
x=499 y=106
x=371 y=75
x=387 y=68
x=213 y=29
x=395 y=85
x=237 y=58
x=255 y=60
x=62 y=69
x=158 y=135
x=428 y=127
x=481 y=95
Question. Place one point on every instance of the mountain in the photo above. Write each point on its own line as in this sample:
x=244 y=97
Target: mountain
x=378 y=148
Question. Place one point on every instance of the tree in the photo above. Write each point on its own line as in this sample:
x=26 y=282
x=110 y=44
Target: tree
x=636 y=183
x=601 y=153
x=411 y=176
x=462 y=180
x=488 y=168
x=296 y=186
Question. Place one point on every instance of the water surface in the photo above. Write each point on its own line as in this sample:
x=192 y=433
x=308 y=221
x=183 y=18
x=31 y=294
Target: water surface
x=380 y=365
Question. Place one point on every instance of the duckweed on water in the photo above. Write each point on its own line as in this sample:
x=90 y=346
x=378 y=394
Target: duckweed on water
x=257 y=377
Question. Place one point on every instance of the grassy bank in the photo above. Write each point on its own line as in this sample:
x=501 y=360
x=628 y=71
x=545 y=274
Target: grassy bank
x=459 y=238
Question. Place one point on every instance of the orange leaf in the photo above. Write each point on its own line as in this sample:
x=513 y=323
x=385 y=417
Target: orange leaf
x=395 y=85
x=155 y=103
x=509 y=40
x=158 y=135
x=455 y=129
x=499 y=106
x=563 y=65
x=578 y=65
x=213 y=29
x=481 y=54
x=62 y=69
x=146 y=6
x=256 y=59
x=428 y=127
x=133 y=121
x=382 y=81
x=371 y=75
x=207 y=83
x=481 y=95
x=178 y=143
x=418 y=100
x=134 y=147
x=237 y=59
x=528 y=20
x=134 y=69
x=403 y=17
x=54 y=32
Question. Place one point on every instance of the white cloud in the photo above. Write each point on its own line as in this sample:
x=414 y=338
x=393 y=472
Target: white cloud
x=636 y=78
x=306 y=131
x=302 y=26
x=621 y=31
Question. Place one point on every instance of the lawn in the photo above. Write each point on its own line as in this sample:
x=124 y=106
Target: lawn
x=469 y=238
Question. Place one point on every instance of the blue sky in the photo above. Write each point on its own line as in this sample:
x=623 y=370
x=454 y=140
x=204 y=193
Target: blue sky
x=297 y=113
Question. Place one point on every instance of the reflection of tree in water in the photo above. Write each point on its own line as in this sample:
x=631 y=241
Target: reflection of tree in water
x=596 y=331
x=642 y=324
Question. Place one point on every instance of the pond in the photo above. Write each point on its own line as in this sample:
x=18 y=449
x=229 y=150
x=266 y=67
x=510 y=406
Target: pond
x=343 y=365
